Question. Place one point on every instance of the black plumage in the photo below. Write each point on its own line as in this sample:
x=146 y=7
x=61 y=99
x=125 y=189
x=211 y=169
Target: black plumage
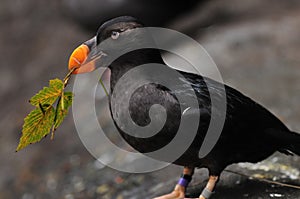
x=250 y=134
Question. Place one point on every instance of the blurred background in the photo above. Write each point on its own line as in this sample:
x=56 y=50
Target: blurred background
x=255 y=44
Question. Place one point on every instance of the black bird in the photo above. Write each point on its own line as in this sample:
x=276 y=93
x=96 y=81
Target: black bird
x=250 y=132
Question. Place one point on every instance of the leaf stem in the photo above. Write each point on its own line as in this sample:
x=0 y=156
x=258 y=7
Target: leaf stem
x=101 y=82
x=61 y=100
x=67 y=77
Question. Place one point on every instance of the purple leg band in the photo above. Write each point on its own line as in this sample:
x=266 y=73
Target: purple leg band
x=183 y=182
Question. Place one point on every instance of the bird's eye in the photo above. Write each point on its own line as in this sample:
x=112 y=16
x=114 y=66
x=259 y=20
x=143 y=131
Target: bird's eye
x=115 y=35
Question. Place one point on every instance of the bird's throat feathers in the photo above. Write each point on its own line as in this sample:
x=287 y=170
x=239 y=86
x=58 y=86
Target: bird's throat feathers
x=131 y=60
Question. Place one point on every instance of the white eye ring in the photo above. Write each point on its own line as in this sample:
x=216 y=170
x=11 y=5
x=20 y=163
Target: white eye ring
x=115 y=35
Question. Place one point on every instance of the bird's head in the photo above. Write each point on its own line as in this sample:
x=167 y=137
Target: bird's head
x=114 y=33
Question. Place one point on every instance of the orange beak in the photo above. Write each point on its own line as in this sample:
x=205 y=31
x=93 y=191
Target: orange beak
x=78 y=58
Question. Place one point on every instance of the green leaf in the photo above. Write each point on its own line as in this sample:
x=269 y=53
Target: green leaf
x=48 y=95
x=36 y=126
x=62 y=108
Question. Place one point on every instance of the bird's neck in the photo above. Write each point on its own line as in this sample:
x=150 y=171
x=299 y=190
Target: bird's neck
x=131 y=60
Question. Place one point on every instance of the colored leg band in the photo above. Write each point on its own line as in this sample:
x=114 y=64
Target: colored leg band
x=206 y=193
x=183 y=182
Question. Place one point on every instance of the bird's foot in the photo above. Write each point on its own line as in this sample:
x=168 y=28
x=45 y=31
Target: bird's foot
x=208 y=190
x=178 y=193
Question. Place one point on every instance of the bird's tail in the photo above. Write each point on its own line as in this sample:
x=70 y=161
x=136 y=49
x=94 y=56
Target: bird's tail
x=294 y=142
x=289 y=141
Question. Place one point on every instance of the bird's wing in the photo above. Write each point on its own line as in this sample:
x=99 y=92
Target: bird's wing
x=189 y=88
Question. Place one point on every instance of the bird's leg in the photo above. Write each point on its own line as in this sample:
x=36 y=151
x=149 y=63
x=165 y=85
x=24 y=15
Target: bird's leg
x=208 y=190
x=180 y=188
